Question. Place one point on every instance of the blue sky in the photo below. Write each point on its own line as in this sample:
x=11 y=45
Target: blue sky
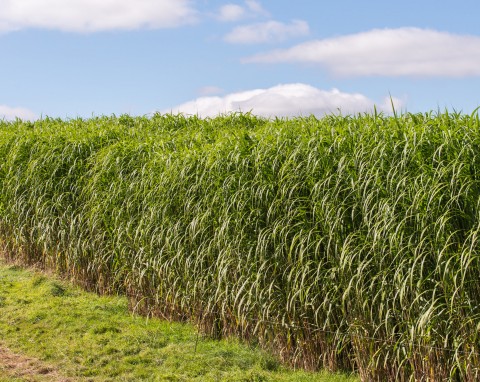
x=69 y=58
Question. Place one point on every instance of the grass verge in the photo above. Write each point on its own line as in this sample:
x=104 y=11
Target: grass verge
x=94 y=338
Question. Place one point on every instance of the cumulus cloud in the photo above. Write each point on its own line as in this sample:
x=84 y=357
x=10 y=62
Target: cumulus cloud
x=10 y=113
x=94 y=15
x=387 y=52
x=270 y=31
x=285 y=101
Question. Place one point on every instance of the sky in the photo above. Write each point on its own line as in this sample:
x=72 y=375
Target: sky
x=274 y=58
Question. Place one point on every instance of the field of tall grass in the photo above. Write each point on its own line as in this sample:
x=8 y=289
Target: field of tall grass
x=346 y=243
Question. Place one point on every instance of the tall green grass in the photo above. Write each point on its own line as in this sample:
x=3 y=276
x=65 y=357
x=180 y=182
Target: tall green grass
x=350 y=243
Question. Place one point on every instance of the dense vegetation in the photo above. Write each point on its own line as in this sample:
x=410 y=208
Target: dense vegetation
x=345 y=242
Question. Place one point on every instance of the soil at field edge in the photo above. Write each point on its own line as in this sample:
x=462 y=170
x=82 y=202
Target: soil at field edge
x=26 y=368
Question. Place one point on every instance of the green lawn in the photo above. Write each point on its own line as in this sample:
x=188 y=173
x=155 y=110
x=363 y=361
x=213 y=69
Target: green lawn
x=94 y=338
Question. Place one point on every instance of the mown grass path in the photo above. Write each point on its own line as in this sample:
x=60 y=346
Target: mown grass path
x=51 y=331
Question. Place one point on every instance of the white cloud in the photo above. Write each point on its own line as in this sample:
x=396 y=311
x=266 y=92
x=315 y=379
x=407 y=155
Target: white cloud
x=285 y=101
x=231 y=12
x=11 y=113
x=209 y=90
x=388 y=52
x=234 y=12
x=270 y=31
x=256 y=7
x=94 y=15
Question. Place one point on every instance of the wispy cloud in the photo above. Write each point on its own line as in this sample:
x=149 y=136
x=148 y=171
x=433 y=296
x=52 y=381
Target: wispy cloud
x=94 y=15
x=270 y=31
x=256 y=7
x=234 y=12
x=209 y=90
x=10 y=113
x=285 y=101
x=231 y=12
x=387 y=52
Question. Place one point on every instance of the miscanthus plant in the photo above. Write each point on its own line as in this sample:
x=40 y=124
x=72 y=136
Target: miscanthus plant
x=346 y=243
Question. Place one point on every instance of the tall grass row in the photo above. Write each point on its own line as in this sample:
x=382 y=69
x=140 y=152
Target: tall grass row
x=346 y=243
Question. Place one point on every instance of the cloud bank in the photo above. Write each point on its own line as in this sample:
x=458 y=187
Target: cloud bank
x=11 y=113
x=284 y=101
x=387 y=52
x=87 y=16
x=270 y=31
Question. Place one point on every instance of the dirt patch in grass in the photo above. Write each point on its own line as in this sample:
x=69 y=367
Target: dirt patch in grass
x=28 y=369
